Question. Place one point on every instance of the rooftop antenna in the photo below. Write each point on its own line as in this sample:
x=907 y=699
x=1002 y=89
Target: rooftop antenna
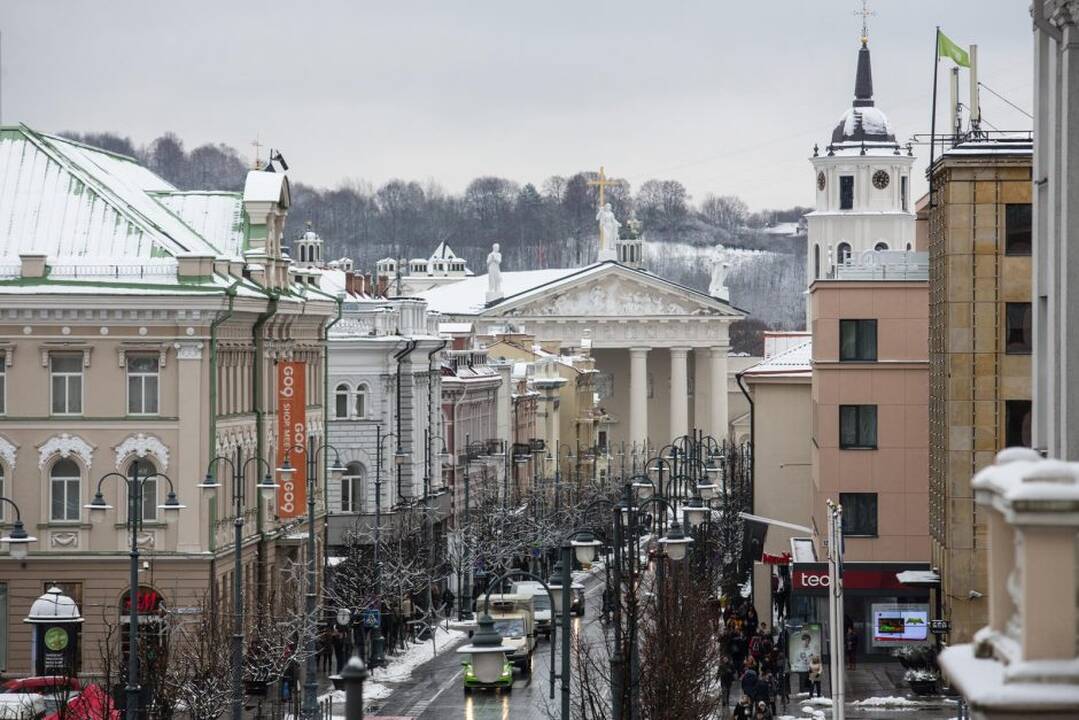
x=866 y=13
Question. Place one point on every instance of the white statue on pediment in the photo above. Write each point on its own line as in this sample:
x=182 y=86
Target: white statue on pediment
x=608 y=227
x=494 y=274
x=718 y=286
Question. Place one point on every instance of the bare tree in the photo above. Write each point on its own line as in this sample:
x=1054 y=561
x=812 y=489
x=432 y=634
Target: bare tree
x=200 y=669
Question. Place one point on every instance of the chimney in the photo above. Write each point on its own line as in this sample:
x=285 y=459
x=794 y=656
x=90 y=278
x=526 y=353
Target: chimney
x=350 y=282
x=32 y=264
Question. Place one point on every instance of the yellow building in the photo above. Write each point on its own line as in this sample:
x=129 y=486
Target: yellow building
x=980 y=341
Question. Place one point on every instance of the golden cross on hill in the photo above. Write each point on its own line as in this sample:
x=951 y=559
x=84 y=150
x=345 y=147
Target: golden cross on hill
x=602 y=184
x=866 y=13
x=256 y=144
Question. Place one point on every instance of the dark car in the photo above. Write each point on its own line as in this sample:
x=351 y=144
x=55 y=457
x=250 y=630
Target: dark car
x=576 y=606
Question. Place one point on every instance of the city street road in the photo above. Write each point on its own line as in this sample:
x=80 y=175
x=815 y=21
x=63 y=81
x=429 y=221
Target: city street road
x=436 y=690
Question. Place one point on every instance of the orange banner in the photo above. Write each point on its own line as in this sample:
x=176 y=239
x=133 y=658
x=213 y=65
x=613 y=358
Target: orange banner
x=292 y=438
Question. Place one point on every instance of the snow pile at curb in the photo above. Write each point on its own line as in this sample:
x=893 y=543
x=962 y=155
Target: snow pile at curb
x=815 y=714
x=890 y=701
x=400 y=667
x=822 y=701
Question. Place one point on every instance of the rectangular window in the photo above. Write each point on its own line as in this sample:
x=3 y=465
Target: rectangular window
x=846 y=192
x=859 y=514
x=858 y=427
x=1017 y=229
x=903 y=193
x=3 y=387
x=142 y=384
x=1017 y=423
x=66 y=371
x=1018 y=328
x=351 y=493
x=858 y=340
x=65 y=498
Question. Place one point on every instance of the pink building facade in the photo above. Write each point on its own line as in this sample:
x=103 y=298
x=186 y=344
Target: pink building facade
x=870 y=394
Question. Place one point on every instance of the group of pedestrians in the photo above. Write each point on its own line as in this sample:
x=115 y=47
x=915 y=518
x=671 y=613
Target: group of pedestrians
x=756 y=660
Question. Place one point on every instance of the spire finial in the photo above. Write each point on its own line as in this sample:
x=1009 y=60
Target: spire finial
x=865 y=12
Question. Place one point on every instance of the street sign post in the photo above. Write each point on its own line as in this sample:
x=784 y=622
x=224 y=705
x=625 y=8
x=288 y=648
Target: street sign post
x=371 y=617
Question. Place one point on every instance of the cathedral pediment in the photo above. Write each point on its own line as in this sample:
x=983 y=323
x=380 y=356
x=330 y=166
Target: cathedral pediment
x=616 y=293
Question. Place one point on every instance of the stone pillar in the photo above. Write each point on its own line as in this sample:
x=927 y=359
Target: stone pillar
x=1047 y=559
x=1001 y=558
x=638 y=395
x=188 y=463
x=679 y=392
x=718 y=388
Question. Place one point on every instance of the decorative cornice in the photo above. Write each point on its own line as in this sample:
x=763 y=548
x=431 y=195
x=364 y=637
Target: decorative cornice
x=140 y=445
x=8 y=451
x=65 y=445
x=1062 y=12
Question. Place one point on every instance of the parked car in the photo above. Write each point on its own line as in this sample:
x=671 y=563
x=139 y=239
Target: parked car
x=84 y=702
x=22 y=706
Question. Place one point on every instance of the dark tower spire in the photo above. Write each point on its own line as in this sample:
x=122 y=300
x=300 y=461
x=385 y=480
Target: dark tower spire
x=863 y=81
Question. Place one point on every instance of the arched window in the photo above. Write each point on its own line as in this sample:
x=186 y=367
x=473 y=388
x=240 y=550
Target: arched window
x=141 y=469
x=352 y=488
x=909 y=247
x=65 y=479
x=341 y=402
x=816 y=261
x=842 y=254
x=359 y=402
x=880 y=246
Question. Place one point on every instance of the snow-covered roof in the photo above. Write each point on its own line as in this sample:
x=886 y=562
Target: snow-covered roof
x=454 y=328
x=443 y=252
x=869 y=120
x=68 y=200
x=1021 y=145
x=784 y=228
x=216 y=216
x=469 y=295
x=265 y=186
x=793 y=362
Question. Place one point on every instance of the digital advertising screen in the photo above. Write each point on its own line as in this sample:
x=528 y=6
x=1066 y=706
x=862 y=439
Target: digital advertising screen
x=897 y=624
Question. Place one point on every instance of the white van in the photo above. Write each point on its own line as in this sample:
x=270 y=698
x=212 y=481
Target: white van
x=541 y=604
x=21 y=706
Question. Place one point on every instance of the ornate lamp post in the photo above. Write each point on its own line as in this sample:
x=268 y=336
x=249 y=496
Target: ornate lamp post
x=17 y=540
x=135 y=486
x=351 y=681
x=266 y=488
x=309 y=710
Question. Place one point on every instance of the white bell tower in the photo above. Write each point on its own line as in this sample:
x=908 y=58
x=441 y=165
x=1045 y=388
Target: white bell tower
x=863 y=185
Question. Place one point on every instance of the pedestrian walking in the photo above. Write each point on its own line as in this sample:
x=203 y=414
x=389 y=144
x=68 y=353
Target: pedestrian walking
x=815 y=670
x=743 y=710
x=726 y=679
x=851 y=646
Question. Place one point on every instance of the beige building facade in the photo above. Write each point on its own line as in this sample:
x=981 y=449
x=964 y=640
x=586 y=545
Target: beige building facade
x=981 y=339
x=140 y=330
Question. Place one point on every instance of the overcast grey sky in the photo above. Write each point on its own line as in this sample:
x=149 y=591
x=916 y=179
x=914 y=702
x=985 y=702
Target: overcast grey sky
x=726 y=96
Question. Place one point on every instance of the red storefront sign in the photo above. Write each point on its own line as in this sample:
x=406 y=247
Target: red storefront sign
x=292 y=437
x=814 y=576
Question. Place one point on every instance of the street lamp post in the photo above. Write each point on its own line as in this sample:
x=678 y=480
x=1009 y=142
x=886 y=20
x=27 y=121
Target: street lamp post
x=309 y=709
x=135 y=486
x=17 y=540
x=399 y=459
x=266 y=487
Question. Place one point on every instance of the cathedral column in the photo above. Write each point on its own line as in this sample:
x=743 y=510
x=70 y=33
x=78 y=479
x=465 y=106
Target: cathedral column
x=638 y=395
x=719 y=392
x=679 y=392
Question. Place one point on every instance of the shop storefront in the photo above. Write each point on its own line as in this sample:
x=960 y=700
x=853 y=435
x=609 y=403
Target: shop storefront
x=884 y=613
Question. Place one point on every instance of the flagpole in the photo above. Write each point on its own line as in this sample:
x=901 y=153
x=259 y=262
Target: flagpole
x=933 y=120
